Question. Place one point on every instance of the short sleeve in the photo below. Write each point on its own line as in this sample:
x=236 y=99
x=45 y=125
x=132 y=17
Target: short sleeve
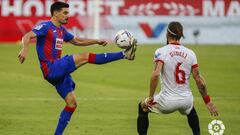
x=40 y=29
x=194 y=61
x=159 y=57
x=67 y=36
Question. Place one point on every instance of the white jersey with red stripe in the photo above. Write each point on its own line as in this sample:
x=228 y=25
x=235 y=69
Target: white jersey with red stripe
x=178 y=62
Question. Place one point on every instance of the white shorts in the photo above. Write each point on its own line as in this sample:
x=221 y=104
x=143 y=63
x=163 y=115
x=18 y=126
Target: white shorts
x=167 y=105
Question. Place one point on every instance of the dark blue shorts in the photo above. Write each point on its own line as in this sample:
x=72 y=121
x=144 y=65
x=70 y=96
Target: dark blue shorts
x=59 y=75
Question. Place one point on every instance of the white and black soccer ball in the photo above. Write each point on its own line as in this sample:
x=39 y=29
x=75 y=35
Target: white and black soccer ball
x=123 y=39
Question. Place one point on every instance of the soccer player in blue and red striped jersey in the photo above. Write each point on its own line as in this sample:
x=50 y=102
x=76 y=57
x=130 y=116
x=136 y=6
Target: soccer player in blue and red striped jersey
x=56 y=70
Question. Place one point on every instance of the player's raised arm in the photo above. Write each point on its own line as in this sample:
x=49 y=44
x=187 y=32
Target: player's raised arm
x=25 y=46
x=85 y=42
x=203 y=90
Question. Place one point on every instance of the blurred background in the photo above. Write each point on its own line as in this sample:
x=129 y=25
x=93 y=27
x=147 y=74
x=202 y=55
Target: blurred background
x=108 y=94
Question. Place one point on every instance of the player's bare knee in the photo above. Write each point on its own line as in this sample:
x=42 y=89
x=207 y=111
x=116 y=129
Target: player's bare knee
x=80 y=59
x=81 y=56
x=72 y=103
x=71 y=100
x=85 y=56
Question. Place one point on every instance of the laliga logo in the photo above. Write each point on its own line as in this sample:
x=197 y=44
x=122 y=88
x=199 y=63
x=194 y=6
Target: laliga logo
x=216 y=127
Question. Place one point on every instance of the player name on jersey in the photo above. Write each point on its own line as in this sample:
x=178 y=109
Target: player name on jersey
x=178 y=53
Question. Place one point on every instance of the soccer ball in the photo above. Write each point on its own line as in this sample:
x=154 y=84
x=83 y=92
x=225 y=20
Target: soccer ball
x=123 y=39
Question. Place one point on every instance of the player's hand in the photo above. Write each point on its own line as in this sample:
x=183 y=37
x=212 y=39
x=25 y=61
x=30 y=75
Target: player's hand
x=102 y=42
x=212 y=109
x=22 y=55
x=149 y=102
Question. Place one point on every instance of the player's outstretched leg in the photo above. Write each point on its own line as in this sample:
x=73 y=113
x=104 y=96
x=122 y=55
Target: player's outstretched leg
x=142 y=121
x=129 y=54
x=102 y=58
x=83 y=58
x=66 y=114
x=193 y=122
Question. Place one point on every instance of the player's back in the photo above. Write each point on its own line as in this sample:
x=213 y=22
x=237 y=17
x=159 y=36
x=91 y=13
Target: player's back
x=178 y=63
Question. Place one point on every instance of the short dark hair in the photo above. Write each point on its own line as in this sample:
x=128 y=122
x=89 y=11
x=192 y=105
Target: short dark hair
x=175 y=30
x=57 y=6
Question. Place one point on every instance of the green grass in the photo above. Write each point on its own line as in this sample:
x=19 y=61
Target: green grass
x=108 y=94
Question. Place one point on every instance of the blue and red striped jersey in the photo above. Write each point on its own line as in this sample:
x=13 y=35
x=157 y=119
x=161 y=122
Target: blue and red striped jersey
x=49 y=43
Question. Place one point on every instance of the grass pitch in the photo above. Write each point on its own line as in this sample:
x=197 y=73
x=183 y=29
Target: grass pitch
x=108 y=94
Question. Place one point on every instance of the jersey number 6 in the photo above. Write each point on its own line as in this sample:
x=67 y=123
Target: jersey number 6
x=179 y=75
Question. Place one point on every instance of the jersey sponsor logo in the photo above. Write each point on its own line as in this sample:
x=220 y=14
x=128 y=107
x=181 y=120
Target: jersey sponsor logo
x=59 y=43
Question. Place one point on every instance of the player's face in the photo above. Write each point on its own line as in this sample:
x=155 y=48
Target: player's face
x=62 y=16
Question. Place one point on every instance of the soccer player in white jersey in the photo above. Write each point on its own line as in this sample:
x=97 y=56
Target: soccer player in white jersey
x=174 y=64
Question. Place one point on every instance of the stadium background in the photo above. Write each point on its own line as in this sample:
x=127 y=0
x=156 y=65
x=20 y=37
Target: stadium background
x=109 y=94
